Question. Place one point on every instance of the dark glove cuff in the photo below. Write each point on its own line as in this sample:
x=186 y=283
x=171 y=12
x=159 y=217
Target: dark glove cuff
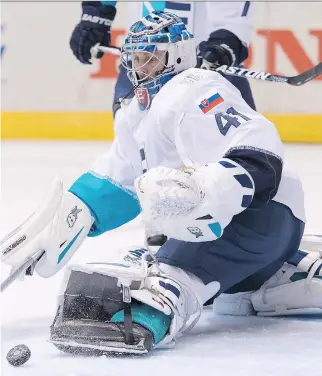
x=224 y=37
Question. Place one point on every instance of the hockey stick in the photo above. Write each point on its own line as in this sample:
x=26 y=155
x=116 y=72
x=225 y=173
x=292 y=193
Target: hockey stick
x=23 y=268
x=298 y=80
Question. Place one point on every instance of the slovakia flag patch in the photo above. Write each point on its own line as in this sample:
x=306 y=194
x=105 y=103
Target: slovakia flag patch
x=208 y=104
x=143 y=97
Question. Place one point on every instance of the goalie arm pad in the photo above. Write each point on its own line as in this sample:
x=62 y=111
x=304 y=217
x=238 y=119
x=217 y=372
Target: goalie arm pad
x=198 y=203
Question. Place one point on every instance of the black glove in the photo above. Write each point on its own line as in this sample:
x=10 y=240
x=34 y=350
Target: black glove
x=222 y=48
x=94 y=27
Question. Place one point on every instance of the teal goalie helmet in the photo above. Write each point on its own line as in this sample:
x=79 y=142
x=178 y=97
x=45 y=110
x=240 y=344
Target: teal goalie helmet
x=157 y=48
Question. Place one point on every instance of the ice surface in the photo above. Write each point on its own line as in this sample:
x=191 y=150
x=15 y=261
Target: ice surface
x=218 y=345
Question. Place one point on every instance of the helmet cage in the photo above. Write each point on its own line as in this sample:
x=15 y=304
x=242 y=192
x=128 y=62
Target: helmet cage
x=155 y=33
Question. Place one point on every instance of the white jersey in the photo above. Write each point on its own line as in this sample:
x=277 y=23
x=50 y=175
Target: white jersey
x=198 y=117
x=202 y=17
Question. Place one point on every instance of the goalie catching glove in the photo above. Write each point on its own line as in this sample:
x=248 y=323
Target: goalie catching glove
x=194 y=204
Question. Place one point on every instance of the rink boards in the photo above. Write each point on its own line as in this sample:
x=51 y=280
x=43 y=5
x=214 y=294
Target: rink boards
x=99 y=126
x=47 y=93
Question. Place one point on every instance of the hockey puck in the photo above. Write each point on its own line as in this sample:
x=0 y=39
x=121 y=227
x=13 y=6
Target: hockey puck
x=18 y=355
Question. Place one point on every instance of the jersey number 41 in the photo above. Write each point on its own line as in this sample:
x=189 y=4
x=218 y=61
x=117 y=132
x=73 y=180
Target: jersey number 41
x=225 y=120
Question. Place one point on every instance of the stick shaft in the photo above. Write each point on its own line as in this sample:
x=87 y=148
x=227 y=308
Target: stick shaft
x=20 y=269
x=298 y=80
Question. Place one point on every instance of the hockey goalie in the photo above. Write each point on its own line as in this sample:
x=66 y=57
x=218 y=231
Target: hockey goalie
x=206 y=171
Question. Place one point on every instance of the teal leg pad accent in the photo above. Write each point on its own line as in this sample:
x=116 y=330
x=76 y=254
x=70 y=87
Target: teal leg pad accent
x=302 y=275
x=150 y=318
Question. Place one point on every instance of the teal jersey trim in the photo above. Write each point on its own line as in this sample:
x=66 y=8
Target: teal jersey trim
x=111 y=204
x=63 y=253
x=113 y=3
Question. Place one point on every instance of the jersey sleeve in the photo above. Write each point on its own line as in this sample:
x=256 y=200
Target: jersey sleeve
x=107 y=189
x=235 y=17
x=218 y=124
x=231 y=26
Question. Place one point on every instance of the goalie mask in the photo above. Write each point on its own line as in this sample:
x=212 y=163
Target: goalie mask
x=157 y=48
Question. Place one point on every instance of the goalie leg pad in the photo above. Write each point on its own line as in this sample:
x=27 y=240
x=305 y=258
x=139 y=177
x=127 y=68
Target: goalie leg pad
x=82 y=324
x=293 y=290
x=96 y=298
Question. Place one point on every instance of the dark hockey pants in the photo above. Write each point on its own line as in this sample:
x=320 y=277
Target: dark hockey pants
x=252 y=248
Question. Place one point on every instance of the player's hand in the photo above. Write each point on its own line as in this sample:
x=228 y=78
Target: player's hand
x=215 y=55
x=94 y=28
x=222 y=48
